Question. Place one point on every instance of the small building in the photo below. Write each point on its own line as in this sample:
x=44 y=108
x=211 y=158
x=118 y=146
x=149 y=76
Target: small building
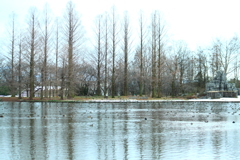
x=219 y=87
x=38 y=89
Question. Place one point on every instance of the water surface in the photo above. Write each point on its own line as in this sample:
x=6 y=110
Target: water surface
x=89 y=131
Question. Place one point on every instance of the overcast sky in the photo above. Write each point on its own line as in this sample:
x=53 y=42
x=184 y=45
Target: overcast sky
x=197 y=22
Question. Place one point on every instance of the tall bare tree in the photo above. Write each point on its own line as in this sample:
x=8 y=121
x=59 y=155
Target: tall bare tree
x=114 y=45
x=99 y=54
x=154 y=52
x=33 y=25
x=161 y=33
x=106 y=28
x=56 y=56
x=126 y=50
x=20 y=67
x=73 y=32
x=11 y=57
x=46 y=35
x=142 y=38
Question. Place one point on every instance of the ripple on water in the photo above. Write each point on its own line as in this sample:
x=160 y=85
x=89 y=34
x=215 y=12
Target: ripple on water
x=174 y=130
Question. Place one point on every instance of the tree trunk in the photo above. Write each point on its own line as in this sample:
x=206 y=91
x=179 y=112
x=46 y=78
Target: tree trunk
x=141 y=56
x=56 y=67
x=12 y=84
x=126 y=50
x=154 y=55
x=99 y=59
x=73 y=34
x=32 y=54
x=113 y=51
x=106 y=59
x=20 y=70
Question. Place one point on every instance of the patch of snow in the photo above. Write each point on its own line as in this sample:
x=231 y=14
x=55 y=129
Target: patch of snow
x=220 y=99
x=145 y=101
x=5 y=95
x=128 y=100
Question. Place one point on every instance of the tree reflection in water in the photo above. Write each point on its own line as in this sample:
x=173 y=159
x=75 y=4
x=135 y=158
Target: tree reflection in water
x=159 y=130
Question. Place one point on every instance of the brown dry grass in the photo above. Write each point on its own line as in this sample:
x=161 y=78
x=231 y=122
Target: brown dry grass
x=83 y=98
x=15 y=99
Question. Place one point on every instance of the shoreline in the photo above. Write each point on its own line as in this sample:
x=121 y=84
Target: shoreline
x=118 y=100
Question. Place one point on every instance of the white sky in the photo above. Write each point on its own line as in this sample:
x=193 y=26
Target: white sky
x=197 y=22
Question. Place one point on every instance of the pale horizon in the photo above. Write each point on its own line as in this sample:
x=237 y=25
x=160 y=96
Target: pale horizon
x=197 y=23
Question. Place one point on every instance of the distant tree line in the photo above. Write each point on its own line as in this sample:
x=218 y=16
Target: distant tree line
x=55 y=54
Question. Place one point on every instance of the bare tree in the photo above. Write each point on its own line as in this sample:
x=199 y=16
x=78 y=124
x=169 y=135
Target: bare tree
x=56 y=56
x=141 y=50
x=126 y=52
x=63 y=76
x=106 y=48
x=172 y=64
x=11 y=57
x=190 y=68
x=236 y=71
x=154 y=52
x=114 y=45
x=20 y=67
x=73 y=32
x=182 y=54
x=214 y=59
x=227 y=53
x=46 y=34
x=161 y=33
x=33 y=25
x=99 y=54
x=177 y=66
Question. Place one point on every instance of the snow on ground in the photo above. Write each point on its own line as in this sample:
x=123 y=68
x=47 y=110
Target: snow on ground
x=130 y=100
x=135 y=100
x=221 y=99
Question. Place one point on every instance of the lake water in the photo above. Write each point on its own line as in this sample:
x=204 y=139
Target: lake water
x=96 y=131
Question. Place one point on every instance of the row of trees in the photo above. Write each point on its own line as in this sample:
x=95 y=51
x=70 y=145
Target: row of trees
x=118 y=60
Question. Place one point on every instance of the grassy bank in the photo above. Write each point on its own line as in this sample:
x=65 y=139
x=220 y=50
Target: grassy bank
x=84 y=98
